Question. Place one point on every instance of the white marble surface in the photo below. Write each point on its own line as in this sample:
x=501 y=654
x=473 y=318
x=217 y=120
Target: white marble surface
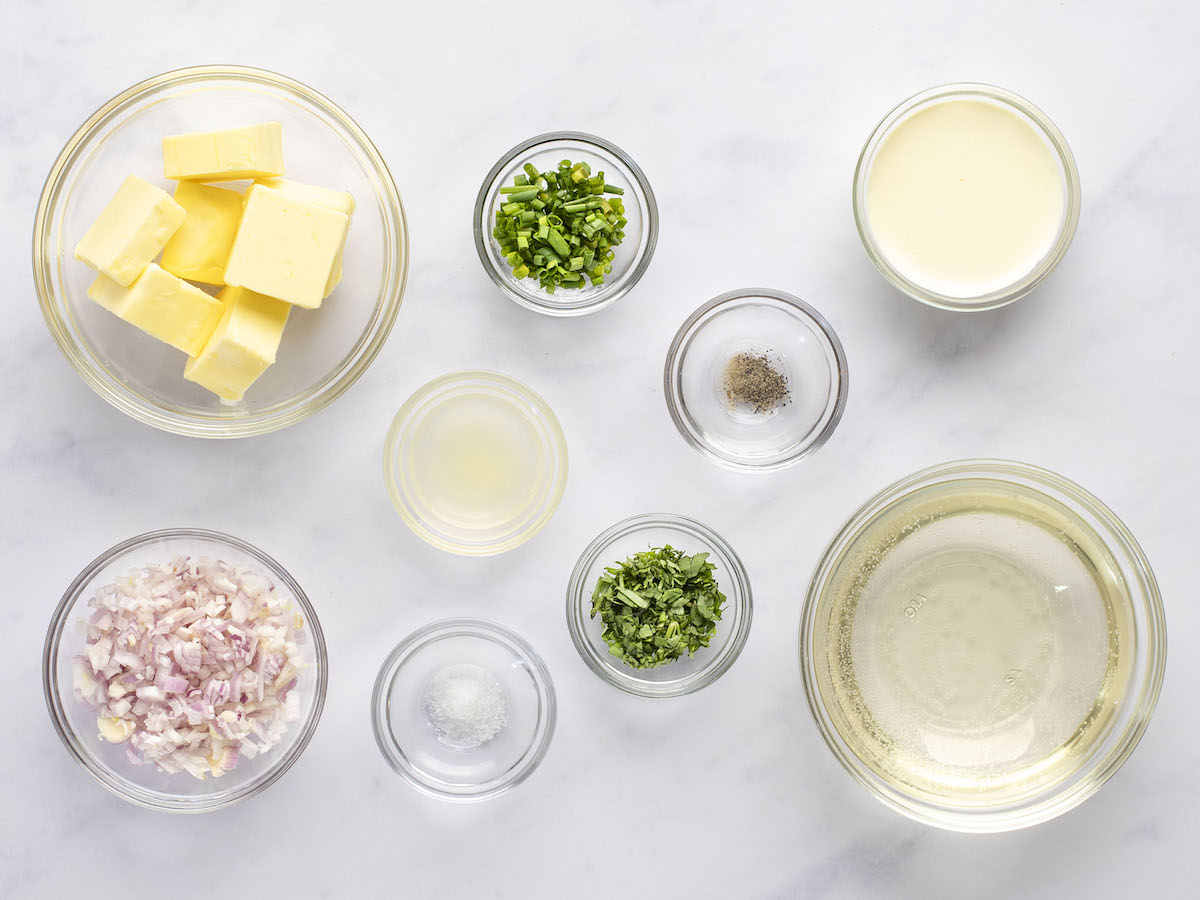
x=747 y=118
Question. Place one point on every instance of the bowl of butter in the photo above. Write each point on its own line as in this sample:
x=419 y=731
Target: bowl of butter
x=220 y=251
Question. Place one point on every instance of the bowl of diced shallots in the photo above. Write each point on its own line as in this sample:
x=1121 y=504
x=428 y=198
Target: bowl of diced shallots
x=185 y=670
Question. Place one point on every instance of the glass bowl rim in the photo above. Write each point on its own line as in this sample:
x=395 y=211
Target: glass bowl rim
x=161 y=416
x=473 y=627
x=579 y=598
x=672 y=371
x=628 y=279
x=1066 y=233
x=1061 y=797
x=552 y=429
x=55 y=698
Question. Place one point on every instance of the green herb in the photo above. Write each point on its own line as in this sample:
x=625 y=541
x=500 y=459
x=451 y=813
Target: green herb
x=657 y=604
x=559 y=226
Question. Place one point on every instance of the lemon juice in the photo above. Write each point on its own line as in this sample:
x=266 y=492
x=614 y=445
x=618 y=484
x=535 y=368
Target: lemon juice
x=475 y=462
x=971 y=646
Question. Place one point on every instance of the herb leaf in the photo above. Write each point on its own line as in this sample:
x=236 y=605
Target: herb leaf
x=658 y=604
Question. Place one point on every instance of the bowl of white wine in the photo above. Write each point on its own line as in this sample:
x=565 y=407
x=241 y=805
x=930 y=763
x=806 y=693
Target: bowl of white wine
x=982 y=645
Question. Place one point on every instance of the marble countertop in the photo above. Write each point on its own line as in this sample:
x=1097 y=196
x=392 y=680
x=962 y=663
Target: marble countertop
x=747 y=118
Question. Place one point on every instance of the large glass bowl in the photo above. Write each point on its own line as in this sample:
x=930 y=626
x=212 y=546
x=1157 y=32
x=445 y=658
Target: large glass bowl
x=631 y=257
x=323 y=351
x=75 y=721
x=982 y=645
x=687 y=673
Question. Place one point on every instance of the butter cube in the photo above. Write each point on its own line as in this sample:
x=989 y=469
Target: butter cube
x=255 y=151
x=130 y=231
x=242 y=346
x=163 y=306
x=200 y=248
x=286 y=248
x=341 y=201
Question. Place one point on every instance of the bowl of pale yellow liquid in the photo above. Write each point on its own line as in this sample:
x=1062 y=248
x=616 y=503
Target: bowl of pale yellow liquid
x=982 y=645
x=966 y=196
x=475 y=463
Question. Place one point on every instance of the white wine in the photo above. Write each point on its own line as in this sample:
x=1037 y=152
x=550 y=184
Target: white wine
x=475 y=461
x=969 y=648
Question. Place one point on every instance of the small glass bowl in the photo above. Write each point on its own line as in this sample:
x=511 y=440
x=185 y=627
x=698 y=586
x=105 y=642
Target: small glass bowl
x=688 y=673
x=462 y=535
x=1137 y=658
x=407 y=739
x=1071 y=187
x=796 y=339
x=75 y=721
x=632 y=256
x=323 y=352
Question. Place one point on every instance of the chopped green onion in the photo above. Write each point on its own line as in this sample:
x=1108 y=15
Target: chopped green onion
x=558 y=226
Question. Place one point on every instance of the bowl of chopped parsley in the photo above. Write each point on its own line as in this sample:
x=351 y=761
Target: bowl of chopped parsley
x=565 y=223
x=659 y=605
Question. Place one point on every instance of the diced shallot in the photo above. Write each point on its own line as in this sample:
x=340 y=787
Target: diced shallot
x=193 y=664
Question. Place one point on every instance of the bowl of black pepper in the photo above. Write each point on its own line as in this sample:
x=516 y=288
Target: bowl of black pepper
x=756 y=379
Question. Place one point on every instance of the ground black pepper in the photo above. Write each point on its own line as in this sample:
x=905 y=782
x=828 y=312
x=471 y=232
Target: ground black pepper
x=751 y=379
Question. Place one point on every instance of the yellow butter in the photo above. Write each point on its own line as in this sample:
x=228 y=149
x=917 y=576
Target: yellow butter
x=163 y=306
x=130 y=231
x=341 y=201
x=255 y=151
x=242 y=346
x=286 y=248
x=200 y=248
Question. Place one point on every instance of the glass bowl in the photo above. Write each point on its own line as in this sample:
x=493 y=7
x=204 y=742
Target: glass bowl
x=688 y=673
x=798 y=342
x=323 y=351
x=407 y=738
x=1034 y=117
x=631 y=258
x=75 y=722
x=982 y=645
x=461 y=523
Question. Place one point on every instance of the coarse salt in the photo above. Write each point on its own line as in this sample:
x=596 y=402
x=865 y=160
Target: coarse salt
x=465 y=706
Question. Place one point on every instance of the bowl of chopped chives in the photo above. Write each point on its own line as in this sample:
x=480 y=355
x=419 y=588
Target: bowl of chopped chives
x=659 y=605
x=565 y=223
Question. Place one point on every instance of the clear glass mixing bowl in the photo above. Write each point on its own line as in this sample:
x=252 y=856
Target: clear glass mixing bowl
x=1012 y=731
x=75 y=721
x=323 y=351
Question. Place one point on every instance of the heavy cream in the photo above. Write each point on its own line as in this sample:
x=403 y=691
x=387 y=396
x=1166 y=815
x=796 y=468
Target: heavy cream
x=965 y=196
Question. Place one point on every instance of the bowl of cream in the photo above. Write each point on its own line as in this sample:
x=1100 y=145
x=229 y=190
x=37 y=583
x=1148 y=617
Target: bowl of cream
x=966 y=196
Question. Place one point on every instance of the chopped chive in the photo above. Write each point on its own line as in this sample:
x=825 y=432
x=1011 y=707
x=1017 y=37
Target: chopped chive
x=559 y=226
x=557 y=242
